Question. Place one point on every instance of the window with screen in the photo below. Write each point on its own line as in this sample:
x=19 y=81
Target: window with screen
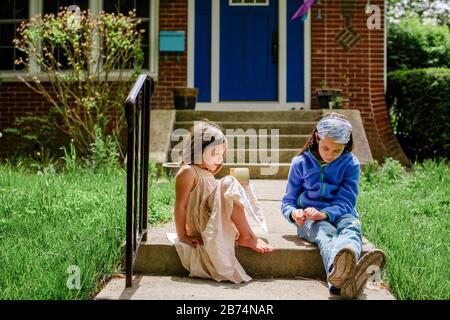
x=12 y=13
x=55 y=6
x=142 y=13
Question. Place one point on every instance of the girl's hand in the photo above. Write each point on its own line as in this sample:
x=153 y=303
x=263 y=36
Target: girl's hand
x=299 y=216
x=191 y=240
x=314 y=215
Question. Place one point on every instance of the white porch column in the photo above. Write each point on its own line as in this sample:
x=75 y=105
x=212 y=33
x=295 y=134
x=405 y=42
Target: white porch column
x=282 y=52
x=215 y=51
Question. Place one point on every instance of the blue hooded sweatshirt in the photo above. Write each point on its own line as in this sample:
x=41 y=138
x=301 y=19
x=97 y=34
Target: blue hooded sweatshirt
x=331 y=188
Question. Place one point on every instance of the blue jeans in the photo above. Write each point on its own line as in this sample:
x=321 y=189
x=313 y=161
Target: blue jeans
x=332 y=237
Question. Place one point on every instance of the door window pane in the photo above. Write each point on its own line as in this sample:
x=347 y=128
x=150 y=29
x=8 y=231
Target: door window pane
x=249 y=2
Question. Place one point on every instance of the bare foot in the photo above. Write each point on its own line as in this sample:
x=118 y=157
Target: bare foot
x=254 y=243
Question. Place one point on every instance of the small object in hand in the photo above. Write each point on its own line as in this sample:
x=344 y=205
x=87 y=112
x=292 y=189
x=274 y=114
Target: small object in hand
x=242 y=174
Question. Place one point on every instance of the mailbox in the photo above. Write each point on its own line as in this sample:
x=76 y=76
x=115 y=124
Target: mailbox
x=171 y=41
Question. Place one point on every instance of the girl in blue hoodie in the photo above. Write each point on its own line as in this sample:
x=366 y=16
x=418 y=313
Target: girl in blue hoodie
x=320 y=200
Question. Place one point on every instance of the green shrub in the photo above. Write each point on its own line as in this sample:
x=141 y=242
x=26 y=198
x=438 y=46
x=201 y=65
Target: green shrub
x=390 y=172
x=83 y=94
x=104 y=154
x=412 y=44
x=419 y=102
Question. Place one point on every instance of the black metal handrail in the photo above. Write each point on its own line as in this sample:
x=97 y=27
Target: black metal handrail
x=137 y=112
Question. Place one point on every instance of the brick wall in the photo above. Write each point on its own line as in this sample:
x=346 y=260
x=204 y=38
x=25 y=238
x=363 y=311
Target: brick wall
x=16 y=99
x=359 y=71
x=172 y=73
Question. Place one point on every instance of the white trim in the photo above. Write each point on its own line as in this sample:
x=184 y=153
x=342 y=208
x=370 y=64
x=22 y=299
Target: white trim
x=154 y=38
x=35 y=8
x=11 y=76
x=95 y=6
x=215 y=51
x=191 y=44
x=385 y=46
x=281 y=104
x=249 y=106
x=307 y=63
x=282 y=52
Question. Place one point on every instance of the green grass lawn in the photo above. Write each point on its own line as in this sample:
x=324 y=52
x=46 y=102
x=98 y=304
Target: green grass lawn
x=50 y=222
x=408 y=216
x=53 y=221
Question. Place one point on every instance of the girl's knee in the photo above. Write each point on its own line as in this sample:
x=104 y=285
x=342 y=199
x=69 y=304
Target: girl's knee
x=227 y=181
x=314 y=231
x=350 y=224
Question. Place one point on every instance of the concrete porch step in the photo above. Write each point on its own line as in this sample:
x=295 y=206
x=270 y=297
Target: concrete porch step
x=259 y=170
x=287 y=127
x=293 y=257
x=293 y=271
x=285 y=141
x=249 y=156
x=275 y=116
x=148 y=287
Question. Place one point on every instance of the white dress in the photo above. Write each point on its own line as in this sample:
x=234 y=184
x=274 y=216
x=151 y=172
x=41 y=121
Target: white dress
x=209 y=209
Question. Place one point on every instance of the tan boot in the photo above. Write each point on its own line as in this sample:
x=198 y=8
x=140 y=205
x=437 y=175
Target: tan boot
x=370 y=263
x=343 y=267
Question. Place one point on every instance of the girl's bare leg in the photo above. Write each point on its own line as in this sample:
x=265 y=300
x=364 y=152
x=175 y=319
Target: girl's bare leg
x=246 y=236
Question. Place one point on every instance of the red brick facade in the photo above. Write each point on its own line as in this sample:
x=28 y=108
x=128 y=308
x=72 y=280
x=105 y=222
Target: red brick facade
x=363 y=67
x=16 y=99
x=359 y=71
x=173 y=16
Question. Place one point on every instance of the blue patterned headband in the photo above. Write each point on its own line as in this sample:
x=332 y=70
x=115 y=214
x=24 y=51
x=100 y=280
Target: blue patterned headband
x=335 y=128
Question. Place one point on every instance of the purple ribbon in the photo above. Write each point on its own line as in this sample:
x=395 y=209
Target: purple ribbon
x=303 y=9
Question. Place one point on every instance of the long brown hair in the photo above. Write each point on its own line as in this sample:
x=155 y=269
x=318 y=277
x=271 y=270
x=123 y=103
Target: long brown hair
x=312 y=142
x=210 y=133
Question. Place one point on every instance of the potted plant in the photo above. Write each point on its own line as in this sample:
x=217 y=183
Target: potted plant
x=335 y=102
x=185 y=98
x=325 y=95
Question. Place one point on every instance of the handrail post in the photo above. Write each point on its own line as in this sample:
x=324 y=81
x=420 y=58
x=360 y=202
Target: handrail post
x=137 y=111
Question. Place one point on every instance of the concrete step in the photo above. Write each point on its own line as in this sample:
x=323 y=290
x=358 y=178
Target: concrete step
x=259 y=170
x=287 y=127
x=293 y=271
x=293 y=257
x=278 y=171
x=285 y=141
x=275 y=116
x=148 y=287
x=248 y=155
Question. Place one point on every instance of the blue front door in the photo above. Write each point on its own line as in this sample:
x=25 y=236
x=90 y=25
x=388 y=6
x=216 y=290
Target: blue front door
x=248 y=52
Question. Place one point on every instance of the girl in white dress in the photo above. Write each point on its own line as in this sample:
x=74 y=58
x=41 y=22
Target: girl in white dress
x=211 y=216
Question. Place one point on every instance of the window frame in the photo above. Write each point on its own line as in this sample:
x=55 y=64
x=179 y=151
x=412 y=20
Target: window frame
x=36 y=7
x=248 y=4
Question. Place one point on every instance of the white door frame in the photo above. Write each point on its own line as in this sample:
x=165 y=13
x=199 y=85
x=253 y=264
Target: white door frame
x=216 y=104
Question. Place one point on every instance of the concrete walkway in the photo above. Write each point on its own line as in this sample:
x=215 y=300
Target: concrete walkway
x=293 y=271
x=148 y=287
